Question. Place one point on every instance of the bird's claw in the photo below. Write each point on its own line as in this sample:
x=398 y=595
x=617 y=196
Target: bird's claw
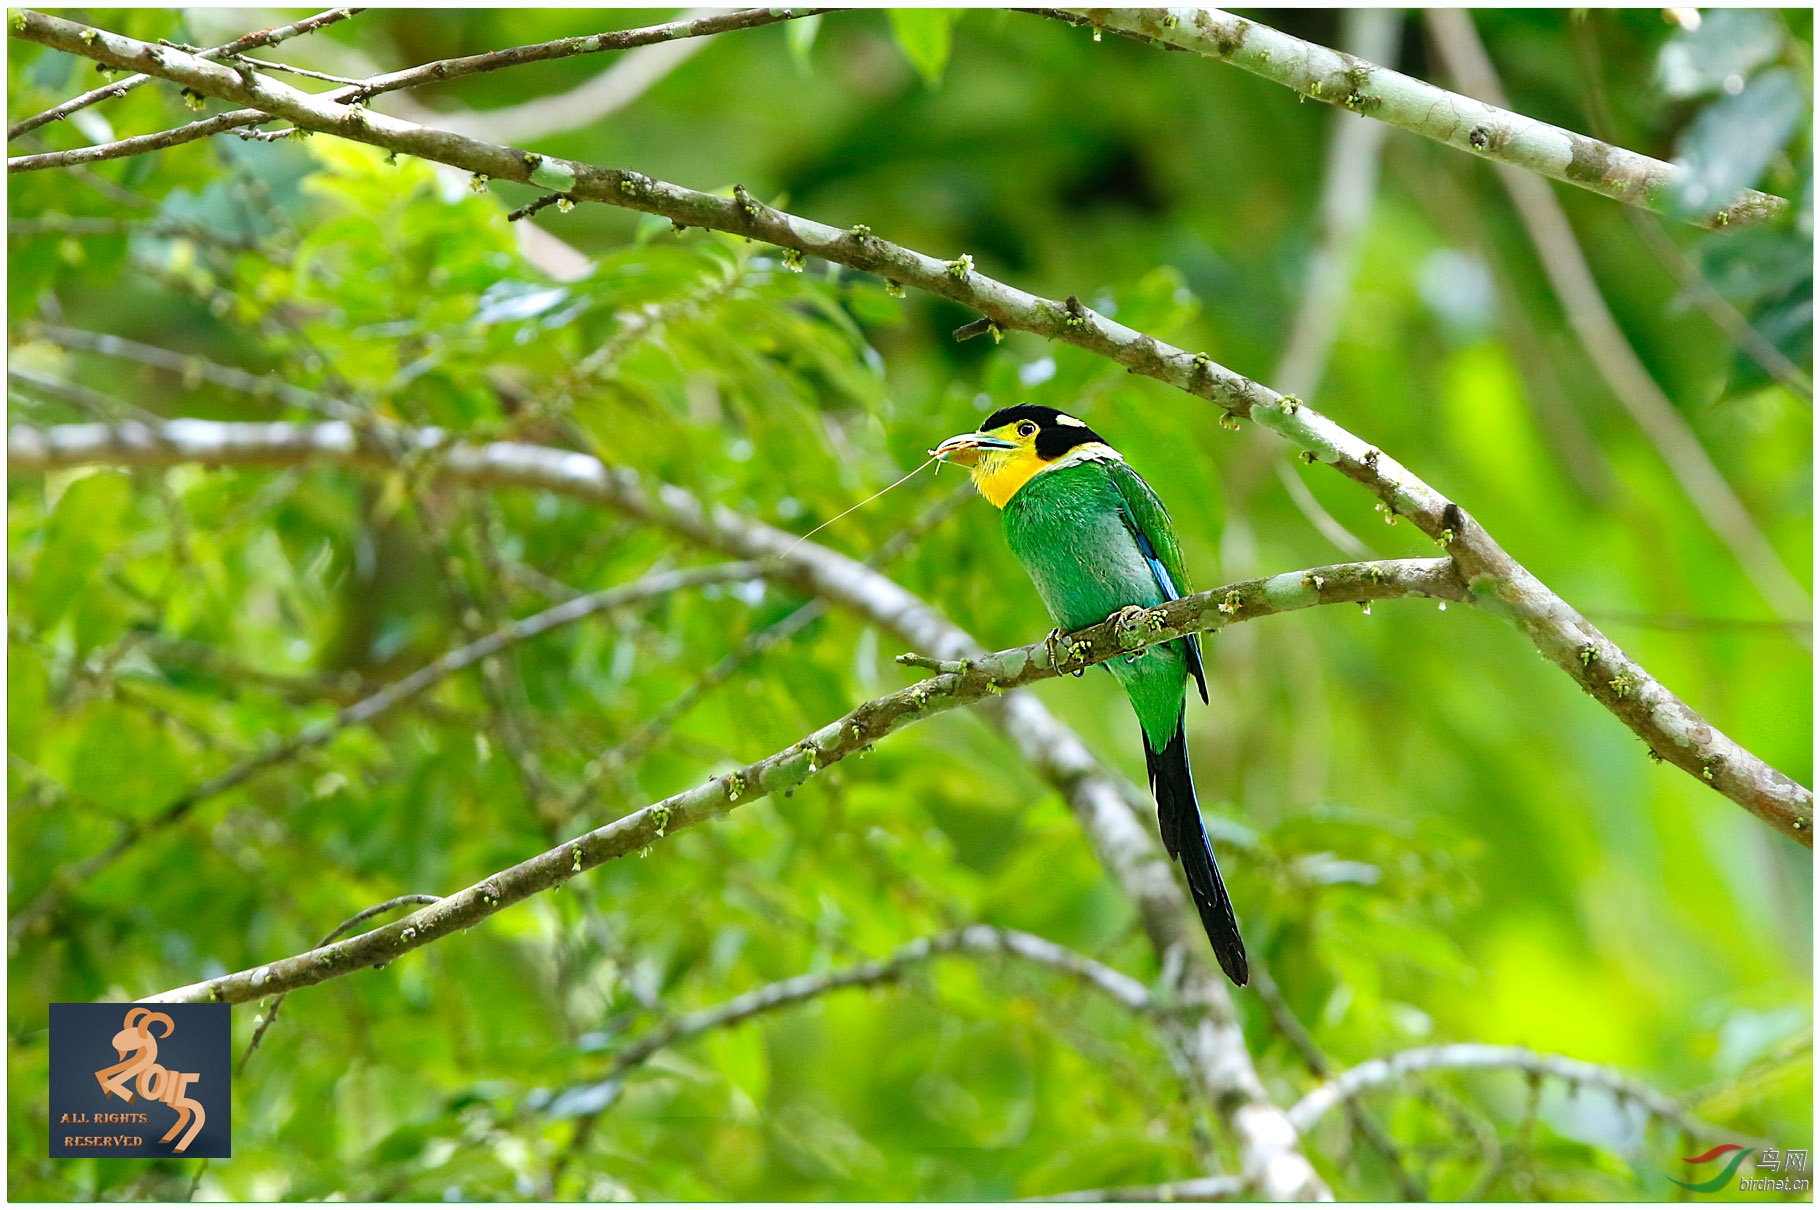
x=1130 y=623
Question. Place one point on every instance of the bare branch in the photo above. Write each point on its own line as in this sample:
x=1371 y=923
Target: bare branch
x=1462 y=123
x=605 y=94
x=227 y=50
x=427 y=73
x=663 y=583
x=1474 y=1055
x=1624 y=372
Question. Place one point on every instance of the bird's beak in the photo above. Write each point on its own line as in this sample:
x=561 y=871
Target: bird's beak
x=964 y=449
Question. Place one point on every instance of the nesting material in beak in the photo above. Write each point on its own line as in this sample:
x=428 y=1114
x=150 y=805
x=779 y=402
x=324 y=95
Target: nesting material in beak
x=964 y=449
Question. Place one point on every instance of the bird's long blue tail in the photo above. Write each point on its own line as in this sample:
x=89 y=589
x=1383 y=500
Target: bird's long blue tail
x=1178 y=817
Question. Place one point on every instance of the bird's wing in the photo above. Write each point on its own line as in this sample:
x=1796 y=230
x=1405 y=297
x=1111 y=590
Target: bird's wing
x=1149 y=523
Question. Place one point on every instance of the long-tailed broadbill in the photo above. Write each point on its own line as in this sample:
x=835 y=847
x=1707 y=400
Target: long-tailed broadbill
x=1096 y=541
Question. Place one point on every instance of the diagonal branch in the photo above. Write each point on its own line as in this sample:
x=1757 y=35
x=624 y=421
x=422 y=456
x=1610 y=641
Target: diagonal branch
x=1672 y=730
x=1477 y=1055
x=1487 y=131
x=227 y=50
x=1628 y=378
x=174 y=812
x=427 y=73
x=959 y=683
x=361 y=917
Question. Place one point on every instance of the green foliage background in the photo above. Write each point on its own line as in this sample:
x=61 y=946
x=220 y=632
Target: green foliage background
x=1431 y=834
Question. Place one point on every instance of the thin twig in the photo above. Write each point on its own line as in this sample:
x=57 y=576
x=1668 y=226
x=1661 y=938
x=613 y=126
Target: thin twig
x=428 y=73
x=227 y=50
x=1349 y=188
x=985 y=676
x=271 y=1014
x=60 y=224
x=192 y=367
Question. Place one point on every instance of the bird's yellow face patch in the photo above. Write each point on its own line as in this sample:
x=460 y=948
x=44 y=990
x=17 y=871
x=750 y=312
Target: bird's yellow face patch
x=999 y=473
x=1004 y=458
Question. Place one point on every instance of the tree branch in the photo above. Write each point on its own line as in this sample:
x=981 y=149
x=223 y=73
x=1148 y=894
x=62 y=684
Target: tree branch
x=1673 y=731
x=662 y=583
x=980 y=678
x=361 y=917
x=540 y=117
x=1605 y=343
x=427 y=73
x=1487 y=131
x=1475 y=1055
x=227 y=50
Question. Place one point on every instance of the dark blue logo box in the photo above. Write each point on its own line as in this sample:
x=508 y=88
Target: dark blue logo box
x=141 y=1080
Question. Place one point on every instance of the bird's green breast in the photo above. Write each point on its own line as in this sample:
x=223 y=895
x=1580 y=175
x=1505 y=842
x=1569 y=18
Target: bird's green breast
x=1066 y=526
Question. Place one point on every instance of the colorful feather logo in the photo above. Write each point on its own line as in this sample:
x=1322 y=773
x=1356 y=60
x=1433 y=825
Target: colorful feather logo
x=1731 y=1168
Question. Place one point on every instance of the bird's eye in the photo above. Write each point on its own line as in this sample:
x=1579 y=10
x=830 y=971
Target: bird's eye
x=1027 y=429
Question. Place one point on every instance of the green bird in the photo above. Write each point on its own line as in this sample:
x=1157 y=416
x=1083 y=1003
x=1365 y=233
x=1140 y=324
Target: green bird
x=1095 y=540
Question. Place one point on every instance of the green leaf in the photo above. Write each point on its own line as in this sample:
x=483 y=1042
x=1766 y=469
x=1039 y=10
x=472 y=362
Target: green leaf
x=79 y=535
x=925 y=35
x=799 y=36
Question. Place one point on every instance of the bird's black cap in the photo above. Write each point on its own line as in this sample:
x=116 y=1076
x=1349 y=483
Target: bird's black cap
x=1056 y=431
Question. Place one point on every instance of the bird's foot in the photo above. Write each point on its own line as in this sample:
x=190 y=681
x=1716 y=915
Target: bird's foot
x=1134 y=626
x=1062 y=654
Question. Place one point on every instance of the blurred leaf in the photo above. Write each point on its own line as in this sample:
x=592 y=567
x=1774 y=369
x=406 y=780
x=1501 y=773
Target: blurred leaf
x=1726 y=46
x=925 y=35
x=1732 y=140
x=84 y=527
x=799 y=35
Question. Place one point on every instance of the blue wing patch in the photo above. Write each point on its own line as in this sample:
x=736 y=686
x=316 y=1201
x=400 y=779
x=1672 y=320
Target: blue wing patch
x=1192 y=644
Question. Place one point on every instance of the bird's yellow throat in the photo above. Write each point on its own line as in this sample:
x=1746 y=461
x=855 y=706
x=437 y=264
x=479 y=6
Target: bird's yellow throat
x=999 y=473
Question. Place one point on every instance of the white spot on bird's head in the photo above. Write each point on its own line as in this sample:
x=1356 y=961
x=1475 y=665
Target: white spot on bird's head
x=1064 y=418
